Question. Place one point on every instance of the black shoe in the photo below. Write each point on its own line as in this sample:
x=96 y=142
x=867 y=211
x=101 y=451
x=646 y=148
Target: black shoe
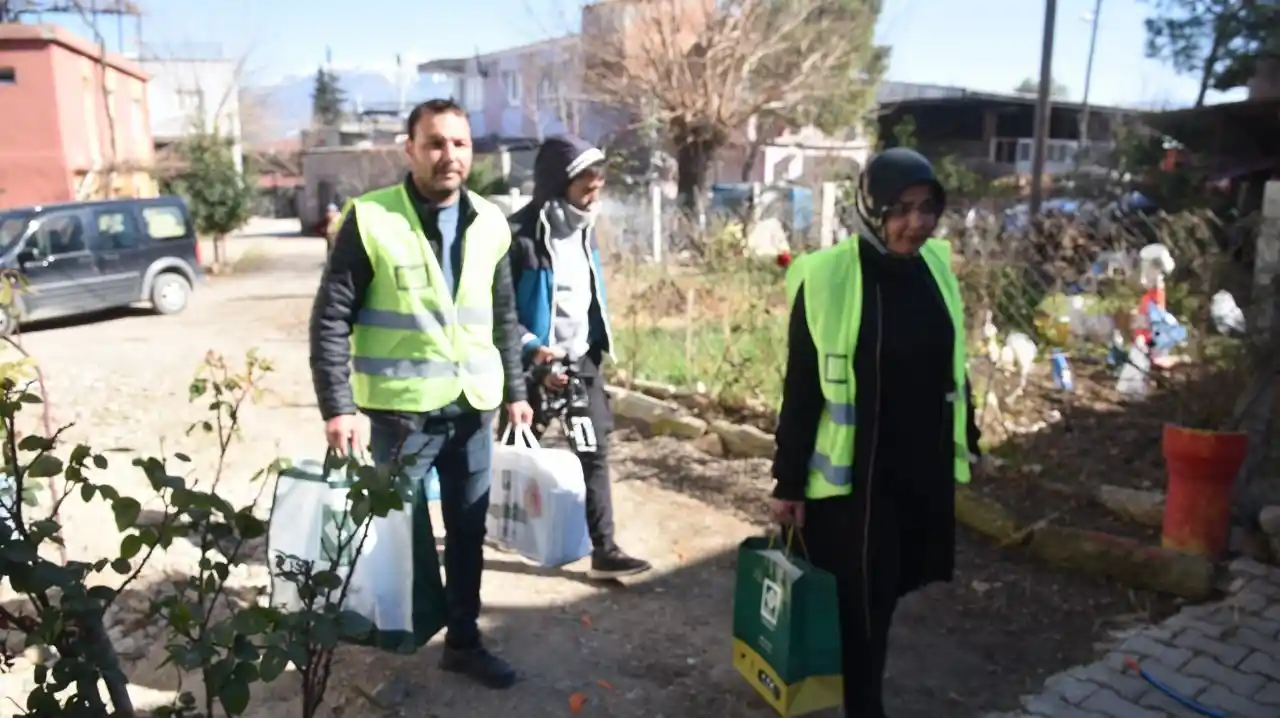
x=479 y=665
x=613 y=563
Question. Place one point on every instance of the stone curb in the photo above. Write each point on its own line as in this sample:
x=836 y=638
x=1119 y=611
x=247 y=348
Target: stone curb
x=661 y=410
x=656 y=416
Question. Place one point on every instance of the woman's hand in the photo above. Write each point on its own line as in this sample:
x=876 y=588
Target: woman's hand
x=787 y=513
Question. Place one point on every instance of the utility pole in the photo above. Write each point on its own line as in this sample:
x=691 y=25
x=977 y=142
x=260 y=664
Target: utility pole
x=1088 y=75
x=1044 y=108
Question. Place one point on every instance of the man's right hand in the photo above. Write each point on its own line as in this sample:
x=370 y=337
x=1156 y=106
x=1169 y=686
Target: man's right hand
x=546 y=355
x=344 y=434
x=787 y=513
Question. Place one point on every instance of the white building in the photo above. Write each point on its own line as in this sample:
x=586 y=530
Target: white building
x=187 y=95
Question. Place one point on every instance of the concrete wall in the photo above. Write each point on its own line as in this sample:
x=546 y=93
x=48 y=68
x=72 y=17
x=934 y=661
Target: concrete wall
x=32 y=162
x=339 y=173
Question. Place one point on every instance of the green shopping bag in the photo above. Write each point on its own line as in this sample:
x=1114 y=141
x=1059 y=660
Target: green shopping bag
x=395 y=582
x=786 y=628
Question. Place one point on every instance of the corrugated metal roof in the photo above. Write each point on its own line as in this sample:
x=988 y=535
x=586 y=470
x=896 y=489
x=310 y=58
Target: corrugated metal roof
x=1233 y=132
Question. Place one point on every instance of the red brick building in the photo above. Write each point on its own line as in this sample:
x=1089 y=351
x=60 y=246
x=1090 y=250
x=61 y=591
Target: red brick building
x=75 y=127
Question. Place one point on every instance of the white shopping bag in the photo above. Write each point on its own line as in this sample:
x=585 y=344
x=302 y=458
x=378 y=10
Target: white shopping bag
x=396 y=581
x=537 y=503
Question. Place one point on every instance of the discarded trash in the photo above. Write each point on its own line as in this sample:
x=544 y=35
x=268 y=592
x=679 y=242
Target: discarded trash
x=1117 y=355
x=1133 y=375
x=1228 y=317
x=1166 y=332
x=1017 y=353
x=1061 y=370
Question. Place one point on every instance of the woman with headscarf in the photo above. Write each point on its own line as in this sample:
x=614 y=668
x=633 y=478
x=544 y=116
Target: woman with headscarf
x=876 y=425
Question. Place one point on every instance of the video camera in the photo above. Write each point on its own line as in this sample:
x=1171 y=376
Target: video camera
x=570 y=404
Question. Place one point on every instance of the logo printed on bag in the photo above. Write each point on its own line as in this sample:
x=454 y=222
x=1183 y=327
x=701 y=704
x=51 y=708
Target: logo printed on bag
x=770 y=602
x=533 y=500
x=769 y=684
x=337 y=537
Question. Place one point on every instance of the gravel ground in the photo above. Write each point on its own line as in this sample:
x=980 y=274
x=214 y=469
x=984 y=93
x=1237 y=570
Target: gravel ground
x=657 y=647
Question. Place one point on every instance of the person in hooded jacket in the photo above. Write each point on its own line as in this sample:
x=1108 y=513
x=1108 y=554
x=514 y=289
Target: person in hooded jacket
x=560 y=302
x=876 y=426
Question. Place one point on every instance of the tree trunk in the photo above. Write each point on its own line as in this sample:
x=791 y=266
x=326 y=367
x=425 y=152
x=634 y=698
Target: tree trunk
x=1210 y=62
x=691 y=175
x=696 y=147
x=108 y=104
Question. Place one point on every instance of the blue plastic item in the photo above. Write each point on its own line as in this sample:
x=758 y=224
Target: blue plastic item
x=1061 y=370
x=794 y=206
x=1166 y=332
x=1168 y=691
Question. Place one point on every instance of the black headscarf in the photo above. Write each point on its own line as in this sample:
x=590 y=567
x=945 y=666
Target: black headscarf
x=882 y=183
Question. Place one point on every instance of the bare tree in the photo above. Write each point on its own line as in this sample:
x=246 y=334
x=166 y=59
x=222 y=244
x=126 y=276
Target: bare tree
x=704 y=70
x=89 y=15
x=552 y=95
x=256 y=111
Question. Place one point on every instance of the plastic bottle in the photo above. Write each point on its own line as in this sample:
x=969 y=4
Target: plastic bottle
x=1061 y=370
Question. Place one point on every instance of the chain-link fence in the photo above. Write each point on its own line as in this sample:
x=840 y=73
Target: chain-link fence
x=1039 y=297
x=736 y=219
x=1077 y=293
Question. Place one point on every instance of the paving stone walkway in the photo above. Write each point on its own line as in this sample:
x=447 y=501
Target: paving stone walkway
x=1224 y=655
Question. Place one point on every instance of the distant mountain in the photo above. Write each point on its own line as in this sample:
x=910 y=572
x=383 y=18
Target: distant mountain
x=285 y=107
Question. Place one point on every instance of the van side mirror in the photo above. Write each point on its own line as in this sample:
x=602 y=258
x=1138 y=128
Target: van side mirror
x=29 y=255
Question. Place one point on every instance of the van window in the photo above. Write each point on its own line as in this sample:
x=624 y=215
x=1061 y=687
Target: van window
x=164 y=222
x=60 y=233
x=12 y=225
x=116 y=230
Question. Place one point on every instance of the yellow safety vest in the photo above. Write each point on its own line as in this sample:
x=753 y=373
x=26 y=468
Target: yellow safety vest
x=415 y=348
x=832 y=282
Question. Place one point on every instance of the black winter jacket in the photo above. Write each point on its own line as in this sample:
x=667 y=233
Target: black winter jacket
x=346 y=280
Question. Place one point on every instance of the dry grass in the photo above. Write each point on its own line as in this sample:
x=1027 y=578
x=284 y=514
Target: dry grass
x=721 y=330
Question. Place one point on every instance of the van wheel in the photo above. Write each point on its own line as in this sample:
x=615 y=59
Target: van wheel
x=170 y=293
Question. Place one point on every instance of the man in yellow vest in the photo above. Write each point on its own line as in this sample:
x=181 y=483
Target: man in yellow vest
x=876 y=426
x=415 y=326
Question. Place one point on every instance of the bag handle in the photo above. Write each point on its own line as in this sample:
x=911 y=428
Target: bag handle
x=519 y=436
x=791 y=534
x=332 y=460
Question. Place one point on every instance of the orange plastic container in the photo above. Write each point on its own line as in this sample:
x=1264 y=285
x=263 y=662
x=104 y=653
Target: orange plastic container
x=1202 y=467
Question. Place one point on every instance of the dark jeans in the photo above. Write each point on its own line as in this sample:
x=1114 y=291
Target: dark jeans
x=595 y=465
x=460 y=450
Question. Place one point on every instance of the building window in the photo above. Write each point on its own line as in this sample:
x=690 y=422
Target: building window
x=8 y=76
x=473 y=94
x=511 y=83
x=548 y=92
x=190 y=100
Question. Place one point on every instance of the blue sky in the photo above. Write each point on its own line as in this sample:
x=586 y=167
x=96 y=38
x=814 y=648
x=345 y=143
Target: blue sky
x=983 y=44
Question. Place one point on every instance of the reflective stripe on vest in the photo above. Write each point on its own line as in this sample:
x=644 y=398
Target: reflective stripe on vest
x=414 y=347
x=833 y=277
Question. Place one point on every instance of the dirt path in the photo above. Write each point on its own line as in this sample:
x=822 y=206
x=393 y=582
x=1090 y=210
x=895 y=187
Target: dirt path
x=659 y=647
